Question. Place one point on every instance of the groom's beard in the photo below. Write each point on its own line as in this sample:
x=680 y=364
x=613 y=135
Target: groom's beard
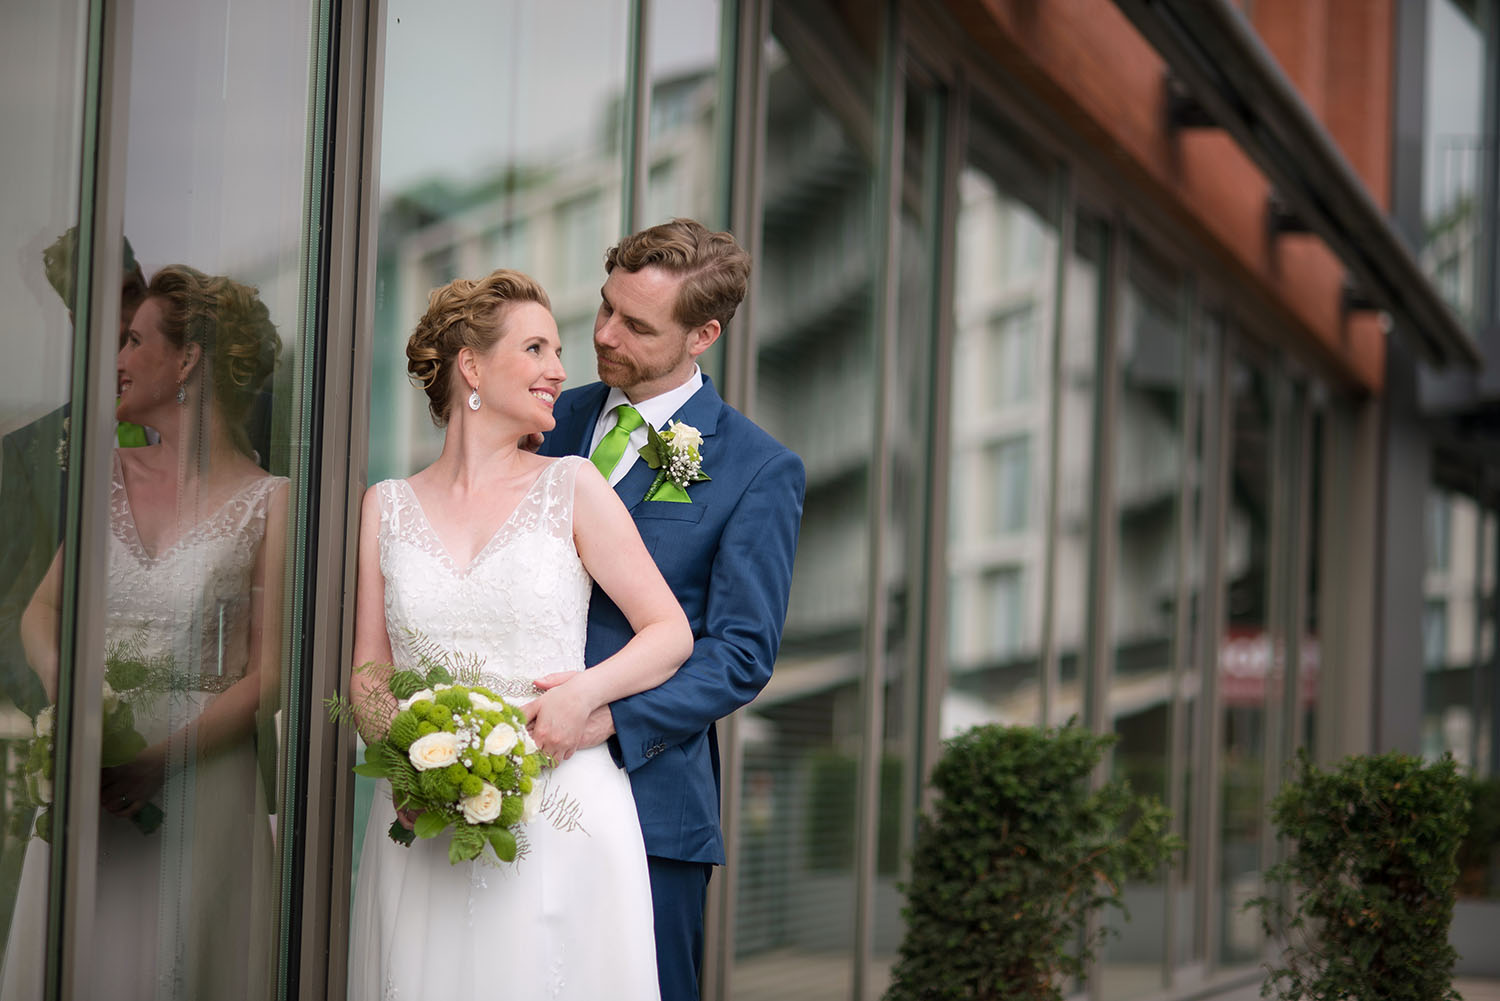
x=619 y=372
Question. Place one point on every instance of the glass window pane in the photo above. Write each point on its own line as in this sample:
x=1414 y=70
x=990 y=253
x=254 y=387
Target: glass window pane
x=1005 y=287
x=1454 y=638
x=42 y=67
x=1454 y=150
x=500 y=148
x=682 y=151
x=1245 y=661
x=815 y=392
x=1150 y=464
x=1083 y=318
x=200 y=603
x=907 y=531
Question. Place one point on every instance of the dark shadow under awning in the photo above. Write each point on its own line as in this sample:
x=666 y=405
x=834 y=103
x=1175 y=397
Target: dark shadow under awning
x=1214 y=52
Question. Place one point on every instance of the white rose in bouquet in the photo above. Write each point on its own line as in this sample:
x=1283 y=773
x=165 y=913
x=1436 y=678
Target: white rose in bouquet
x=526 y=740
x=436 y=750
x=44 y=790
x=108 y=697
x=479 y=700
x=45 y=721
x=530 y=805
x=483 y=808
x=500 y=740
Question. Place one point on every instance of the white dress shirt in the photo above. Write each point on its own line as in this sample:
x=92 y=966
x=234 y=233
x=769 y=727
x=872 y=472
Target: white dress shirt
x=656 y=412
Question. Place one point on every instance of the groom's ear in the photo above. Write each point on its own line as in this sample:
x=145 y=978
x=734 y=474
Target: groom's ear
x=700 y=339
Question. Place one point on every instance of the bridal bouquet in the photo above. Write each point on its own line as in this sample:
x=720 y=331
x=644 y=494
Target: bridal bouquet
x=456 y=751
x=125 y=678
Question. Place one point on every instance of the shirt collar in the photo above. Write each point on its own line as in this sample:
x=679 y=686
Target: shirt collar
x=659 y=409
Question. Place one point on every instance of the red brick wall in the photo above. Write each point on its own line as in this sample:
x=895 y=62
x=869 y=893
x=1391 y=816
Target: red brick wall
x=1087 y=63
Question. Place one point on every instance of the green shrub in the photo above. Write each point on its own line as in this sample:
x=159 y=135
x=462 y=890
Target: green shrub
x=1019 y=853
x=1367 y=887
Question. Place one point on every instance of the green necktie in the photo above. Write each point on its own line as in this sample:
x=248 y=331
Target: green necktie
x=607 y=456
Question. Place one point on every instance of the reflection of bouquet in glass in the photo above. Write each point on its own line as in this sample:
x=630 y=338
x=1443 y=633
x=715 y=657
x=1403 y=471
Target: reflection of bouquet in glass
x=126 y=674
x=457 y=752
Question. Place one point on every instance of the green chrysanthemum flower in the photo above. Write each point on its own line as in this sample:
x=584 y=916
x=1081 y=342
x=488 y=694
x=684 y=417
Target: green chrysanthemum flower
x=426 y=727
x=456 y=774
x=510 y=810
x=472 y=785
x=483 y=768
x=405 y=728
x=434 y=785
x=525 y=784
x=532 y=764
x=404 y=684
x=455 y=700
x=505 y=777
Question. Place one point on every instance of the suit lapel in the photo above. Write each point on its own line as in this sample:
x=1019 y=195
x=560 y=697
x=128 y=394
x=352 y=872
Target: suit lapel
x=575 y=429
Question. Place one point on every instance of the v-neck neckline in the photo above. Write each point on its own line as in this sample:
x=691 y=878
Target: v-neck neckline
x=134 y=530
x=482 y=551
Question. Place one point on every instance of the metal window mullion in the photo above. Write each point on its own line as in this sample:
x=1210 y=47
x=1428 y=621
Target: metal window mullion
x=1067 y=197
x=1181 y=619
x=885 y=206
x=935 y=649
x=322 y=778
x=637 y=111
x=1299 y=560
x=1104 y=531
x=919 y=549
x=71 y=956
x=1210 y=724
x=746 y=25
x=1273 y=703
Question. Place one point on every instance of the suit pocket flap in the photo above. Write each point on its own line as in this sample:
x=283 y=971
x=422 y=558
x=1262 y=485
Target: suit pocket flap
x=670 y=510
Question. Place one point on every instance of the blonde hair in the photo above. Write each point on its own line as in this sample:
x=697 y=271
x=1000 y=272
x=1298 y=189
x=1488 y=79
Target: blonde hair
x=464 y=313
x=233 y=327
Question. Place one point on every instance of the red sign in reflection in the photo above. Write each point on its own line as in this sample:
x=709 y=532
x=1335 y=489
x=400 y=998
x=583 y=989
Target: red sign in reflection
x=1249 y=659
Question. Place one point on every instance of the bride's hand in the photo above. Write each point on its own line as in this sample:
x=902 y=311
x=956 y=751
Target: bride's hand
x=124 y=789
x=557 y=718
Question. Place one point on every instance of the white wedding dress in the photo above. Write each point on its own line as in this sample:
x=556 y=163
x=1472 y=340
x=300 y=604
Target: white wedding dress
x=570 y=919
x=185 y=912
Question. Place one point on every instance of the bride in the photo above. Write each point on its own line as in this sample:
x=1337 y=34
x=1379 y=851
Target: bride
x=184 y=901
x=489 y=552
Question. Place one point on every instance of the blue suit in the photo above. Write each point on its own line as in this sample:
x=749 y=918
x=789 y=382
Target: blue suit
x=727 y=556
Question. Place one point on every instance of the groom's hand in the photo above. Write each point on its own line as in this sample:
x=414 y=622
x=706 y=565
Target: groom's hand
x=601 y=722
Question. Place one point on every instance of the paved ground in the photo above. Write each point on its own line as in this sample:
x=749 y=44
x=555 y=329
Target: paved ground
x=1473 y=989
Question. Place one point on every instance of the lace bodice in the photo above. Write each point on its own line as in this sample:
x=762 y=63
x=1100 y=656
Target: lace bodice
x=521 y=604
x=190 y=603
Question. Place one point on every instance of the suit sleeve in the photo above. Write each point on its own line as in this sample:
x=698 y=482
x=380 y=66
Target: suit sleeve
x=745 y=611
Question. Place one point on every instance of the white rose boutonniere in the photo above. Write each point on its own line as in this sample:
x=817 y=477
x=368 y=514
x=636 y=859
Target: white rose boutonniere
x=676 y=455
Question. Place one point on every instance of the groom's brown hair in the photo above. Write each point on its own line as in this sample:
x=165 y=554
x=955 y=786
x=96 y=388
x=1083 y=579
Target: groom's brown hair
x=715 y=270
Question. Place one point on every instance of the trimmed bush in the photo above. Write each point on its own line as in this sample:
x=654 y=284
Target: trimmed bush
x=1020 y=851
x=1367 y=888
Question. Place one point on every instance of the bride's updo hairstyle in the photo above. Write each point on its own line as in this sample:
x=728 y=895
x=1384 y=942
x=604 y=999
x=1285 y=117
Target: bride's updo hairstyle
x=462 y=314
x=229 y=322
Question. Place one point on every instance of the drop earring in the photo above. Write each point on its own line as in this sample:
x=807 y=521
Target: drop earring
x=474 y=399
x=182 y=392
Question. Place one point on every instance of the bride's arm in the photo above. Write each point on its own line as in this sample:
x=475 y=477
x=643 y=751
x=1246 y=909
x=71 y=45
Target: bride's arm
x=39 y=627
x=614 y=555
x=368 y=689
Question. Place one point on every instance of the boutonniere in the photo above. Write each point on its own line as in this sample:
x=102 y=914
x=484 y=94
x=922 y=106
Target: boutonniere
x=674 y=454
x=62 y=444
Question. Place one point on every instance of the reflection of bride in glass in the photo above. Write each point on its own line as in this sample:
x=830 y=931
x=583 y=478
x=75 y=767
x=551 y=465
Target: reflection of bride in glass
x=196 y=545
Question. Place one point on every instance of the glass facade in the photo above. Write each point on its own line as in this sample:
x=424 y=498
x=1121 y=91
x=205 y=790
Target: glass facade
x=1055 y=469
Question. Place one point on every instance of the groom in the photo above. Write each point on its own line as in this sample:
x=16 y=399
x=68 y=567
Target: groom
x=725 y=547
